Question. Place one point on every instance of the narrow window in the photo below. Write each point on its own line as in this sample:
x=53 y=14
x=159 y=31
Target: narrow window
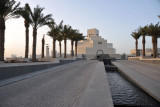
x=99 y=42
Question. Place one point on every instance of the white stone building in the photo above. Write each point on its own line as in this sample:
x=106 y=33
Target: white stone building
x=94 y=45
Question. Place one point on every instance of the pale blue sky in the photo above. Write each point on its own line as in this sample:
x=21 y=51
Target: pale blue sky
x=115 y=20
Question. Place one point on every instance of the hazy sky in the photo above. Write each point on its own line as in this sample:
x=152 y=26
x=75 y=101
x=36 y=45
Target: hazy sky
x=115 y=20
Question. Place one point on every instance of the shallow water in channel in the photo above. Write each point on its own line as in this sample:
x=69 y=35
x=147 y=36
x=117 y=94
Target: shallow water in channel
x=125 y=93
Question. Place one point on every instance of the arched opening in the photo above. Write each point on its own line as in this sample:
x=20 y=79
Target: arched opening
x=99 y=53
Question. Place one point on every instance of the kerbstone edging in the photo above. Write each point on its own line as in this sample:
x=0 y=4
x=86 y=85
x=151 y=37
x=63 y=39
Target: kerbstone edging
x=97 y=93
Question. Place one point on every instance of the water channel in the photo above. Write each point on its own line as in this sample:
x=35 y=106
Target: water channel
x=126 y=94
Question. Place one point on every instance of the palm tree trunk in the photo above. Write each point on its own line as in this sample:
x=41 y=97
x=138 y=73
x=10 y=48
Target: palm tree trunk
x=76 y=48
x=156 y=47
x=54 y=48
x=27 y=39
x=153 y=42
x=65 y=43
x=60 y=48
x=43 y=42
x=2 y=38
x=34 y=44
x=72 y=43
x=143 y=42
x=136 y=43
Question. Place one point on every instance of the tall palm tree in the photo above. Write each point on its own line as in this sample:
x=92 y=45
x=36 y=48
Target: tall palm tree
x=43 y=43
x=78 y=37
x=136 y=36
x=7 y=11
x=65 y=32
x=153 y=30
x=24 y=12
x=143 y=32
x=54 y=32
x=37 y=20
x=72 y=37
x=60 y=38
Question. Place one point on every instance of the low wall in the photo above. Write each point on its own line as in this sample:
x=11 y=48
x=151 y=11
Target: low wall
x=146 y=59
x=116 y=56
x=152 y=61
x=12 y=71
x=134 y=58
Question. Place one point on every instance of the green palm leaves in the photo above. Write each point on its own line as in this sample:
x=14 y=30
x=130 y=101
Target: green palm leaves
x=8 y=9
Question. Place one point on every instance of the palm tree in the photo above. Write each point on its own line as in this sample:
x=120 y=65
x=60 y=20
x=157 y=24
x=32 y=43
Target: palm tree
x=7 y=11
x=24 y=12
x=54 y=32
x=65 y=32
x=78 y=37
x=136 y=36
x=72 y=37
x=43 y=43
x=153 y=30
x=37 y=20
x=143 y=32
x=60 y=38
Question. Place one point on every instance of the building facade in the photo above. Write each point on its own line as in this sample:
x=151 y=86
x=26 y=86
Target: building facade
x=148 y=51
x=94 y=45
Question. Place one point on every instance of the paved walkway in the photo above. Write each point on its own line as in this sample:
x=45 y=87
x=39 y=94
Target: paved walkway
x=145 y=75
x=67 y=86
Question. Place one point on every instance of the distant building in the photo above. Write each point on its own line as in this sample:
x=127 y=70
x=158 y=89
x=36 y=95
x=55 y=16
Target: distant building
x=38 y=56
x=94 y=45
x=13 y=56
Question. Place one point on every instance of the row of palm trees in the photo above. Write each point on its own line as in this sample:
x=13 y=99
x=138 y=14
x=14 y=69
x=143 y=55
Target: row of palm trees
x=148 y=30
x=60 y=32
x=36 y=18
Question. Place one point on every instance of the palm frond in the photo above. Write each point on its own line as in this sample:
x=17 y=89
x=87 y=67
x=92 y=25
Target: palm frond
x=135 y=34
x=24 y=12
x=8 y=8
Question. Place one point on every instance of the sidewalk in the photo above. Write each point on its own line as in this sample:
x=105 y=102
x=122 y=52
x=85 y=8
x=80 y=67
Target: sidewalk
x=97 y=93
x=145 y=75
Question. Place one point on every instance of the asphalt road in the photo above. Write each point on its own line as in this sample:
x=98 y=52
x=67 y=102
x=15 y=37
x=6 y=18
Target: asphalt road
x=62 y=87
